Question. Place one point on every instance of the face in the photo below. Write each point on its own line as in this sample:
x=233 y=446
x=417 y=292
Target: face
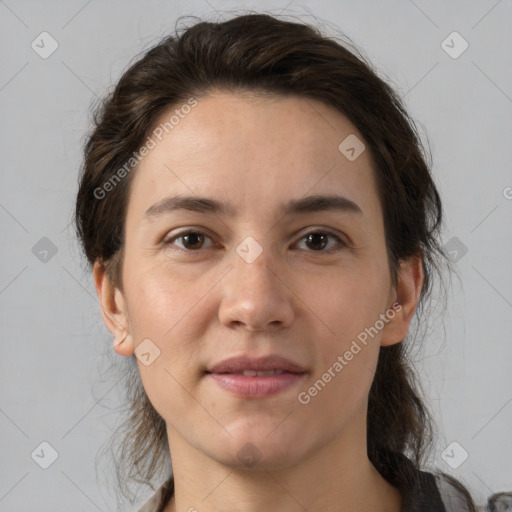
x=205 y=285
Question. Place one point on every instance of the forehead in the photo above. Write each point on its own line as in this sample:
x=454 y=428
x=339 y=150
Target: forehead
x=283 y=123
x=252 y=148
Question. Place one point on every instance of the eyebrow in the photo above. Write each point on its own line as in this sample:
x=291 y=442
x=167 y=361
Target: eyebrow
x=309 y=204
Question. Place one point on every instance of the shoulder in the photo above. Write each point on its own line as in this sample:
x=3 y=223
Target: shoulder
x=454 y=495
x=427 y=491
x=157 y=502
x=153 y=503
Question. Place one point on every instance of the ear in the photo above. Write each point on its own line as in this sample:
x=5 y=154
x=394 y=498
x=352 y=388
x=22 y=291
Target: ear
x=407 y=294
x=113 y=311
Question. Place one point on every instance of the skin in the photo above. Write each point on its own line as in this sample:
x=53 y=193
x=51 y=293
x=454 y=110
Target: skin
x=201 y=303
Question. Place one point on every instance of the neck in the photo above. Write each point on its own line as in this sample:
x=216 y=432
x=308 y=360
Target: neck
x=336 y=477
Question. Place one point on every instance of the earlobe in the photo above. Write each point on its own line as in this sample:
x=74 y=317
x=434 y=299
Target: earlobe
x=113 y=311
x=408 y=291
x=123 y=344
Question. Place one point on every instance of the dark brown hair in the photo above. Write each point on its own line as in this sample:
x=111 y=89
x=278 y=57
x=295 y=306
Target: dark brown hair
x=262 y=54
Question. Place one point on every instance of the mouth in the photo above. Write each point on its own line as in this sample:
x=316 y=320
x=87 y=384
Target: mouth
x=247 y=377
x=255 y=386
x=254 y=373
x=246 y=364
x=246 y=387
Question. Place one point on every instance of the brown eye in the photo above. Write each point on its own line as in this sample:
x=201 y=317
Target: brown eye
x=191 y=240
x=315 y=241
x=318 y=240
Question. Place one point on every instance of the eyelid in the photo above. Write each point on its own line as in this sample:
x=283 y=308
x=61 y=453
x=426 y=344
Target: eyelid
x=341 y=240
x=168 y=240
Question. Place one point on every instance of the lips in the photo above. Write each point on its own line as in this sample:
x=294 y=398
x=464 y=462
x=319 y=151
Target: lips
x=255 y=387
x=256 y=367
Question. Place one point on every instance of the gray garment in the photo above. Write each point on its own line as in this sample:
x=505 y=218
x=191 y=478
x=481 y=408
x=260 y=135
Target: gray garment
x=451 y=497
x=152 y=504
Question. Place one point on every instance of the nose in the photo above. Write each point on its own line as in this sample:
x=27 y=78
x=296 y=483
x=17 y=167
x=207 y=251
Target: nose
x=256 y=295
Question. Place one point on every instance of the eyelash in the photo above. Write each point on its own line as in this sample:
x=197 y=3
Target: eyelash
x=342 y=244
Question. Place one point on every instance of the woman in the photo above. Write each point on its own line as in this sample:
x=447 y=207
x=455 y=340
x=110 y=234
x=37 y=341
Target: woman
x=263 y=227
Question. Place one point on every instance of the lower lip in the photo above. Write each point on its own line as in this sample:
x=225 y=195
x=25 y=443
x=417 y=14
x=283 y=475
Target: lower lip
x=255 y=387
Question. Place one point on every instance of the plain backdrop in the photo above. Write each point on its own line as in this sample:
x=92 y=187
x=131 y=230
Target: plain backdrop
x=54 y=346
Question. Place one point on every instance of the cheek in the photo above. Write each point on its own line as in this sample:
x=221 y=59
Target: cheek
x=162 y=302
x=349 y=306
x=343 y=376
x=168 y=320
x=348 y=302
x=170 y=313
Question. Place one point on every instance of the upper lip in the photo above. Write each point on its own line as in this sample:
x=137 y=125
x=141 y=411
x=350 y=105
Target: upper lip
x=241 y=363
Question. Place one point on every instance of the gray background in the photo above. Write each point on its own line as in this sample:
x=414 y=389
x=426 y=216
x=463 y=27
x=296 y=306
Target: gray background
x=55 y=349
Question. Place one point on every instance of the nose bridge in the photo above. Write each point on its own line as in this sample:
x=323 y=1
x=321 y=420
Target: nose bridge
x=255 y=266
x=253 y=293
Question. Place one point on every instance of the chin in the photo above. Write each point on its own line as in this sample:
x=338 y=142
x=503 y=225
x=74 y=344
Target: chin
x=263 y=452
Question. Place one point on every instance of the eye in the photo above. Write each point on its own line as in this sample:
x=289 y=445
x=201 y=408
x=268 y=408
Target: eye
x=319 y=239
x=193 y=240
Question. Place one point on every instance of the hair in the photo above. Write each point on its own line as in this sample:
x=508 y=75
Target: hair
x=261 y=54
x=499 y=502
